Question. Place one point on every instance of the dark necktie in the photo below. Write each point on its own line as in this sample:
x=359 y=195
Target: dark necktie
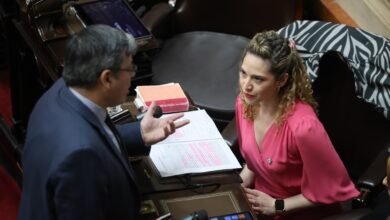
x=117 y=137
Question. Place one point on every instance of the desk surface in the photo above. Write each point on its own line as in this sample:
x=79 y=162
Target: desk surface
x=217 y=193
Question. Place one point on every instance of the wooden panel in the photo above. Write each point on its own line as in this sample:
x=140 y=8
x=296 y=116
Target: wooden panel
x=330 y=10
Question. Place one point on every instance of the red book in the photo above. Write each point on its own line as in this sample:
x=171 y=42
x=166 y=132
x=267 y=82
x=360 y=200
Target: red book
x=170 y=97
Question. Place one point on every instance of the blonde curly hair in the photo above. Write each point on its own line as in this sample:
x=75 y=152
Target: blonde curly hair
x=284 y=59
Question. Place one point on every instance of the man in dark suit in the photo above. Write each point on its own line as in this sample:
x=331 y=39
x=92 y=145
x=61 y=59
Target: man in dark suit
x=74 y=160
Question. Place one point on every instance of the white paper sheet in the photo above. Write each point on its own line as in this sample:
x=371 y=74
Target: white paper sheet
x=195 y=148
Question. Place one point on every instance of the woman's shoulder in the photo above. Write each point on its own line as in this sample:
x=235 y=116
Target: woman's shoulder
x=303 y=117
x=302 y=110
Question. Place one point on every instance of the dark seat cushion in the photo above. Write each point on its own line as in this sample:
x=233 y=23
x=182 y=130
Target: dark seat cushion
x=206 y=64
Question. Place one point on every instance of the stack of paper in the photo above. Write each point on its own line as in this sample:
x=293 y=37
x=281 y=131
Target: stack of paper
x=170 y=97
x=195 y=148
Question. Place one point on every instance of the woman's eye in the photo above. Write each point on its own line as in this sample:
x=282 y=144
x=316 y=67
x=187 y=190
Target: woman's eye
x=257 y=79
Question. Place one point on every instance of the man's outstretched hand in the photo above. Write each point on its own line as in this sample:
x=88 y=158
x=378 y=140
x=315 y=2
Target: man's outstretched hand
x=157 y=129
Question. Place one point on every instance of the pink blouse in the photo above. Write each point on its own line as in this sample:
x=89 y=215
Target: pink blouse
x=297 y=158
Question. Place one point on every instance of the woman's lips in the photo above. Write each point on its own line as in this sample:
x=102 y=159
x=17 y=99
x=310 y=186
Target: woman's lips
x=249 y=96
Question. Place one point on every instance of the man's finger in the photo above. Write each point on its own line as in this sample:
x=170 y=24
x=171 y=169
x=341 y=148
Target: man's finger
x=181 y=123
x=166 y=131
x=151 y=109
x=172 y=126
x=175 y=116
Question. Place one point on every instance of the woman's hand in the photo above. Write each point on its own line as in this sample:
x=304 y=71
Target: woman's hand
x=157 y=129
x=261 y=202
x=247 y=177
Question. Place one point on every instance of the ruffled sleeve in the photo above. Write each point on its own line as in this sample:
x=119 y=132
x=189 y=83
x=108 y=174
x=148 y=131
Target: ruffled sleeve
x=324 y=177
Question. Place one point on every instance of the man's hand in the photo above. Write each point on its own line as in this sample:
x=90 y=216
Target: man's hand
x=157 y=129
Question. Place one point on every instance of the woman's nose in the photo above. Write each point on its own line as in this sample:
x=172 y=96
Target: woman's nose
x=247 y=85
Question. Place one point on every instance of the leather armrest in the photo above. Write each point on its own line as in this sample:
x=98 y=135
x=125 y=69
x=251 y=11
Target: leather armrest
x=353 y=214
x=157 y=19
x=372 y=177
x=229 y=134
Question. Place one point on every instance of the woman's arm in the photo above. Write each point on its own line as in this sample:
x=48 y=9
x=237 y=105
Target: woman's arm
x=265 y=204
x=247 y=177
x=297 y=202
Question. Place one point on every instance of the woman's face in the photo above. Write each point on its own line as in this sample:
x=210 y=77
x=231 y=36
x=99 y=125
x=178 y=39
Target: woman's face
x=257 y=83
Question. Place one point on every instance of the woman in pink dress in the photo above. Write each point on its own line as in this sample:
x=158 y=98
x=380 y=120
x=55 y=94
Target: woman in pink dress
x=292 y=170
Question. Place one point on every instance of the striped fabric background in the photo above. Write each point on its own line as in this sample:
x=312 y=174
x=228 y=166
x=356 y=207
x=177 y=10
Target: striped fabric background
x=368 y=55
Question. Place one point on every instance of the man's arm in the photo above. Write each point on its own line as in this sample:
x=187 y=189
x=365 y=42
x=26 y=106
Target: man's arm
x=132 y=139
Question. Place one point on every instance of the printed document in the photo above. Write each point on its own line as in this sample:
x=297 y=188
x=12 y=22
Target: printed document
x=195 y=148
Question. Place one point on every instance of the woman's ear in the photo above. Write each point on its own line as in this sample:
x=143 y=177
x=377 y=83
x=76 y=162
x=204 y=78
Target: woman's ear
x=283 y=79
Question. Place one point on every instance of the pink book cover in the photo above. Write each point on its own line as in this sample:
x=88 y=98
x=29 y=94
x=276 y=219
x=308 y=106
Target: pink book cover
x=170 y=97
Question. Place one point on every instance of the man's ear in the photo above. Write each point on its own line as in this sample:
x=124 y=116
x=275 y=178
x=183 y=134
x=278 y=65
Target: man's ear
x=105 y=78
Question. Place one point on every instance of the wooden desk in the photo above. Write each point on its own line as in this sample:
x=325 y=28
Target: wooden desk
x=227 y=199
x=218 y=193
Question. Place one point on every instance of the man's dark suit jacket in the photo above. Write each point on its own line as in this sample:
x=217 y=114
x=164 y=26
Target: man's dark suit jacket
x=72 y=170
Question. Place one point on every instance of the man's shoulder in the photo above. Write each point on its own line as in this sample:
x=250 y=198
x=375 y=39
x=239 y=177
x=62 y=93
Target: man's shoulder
x=50 y=97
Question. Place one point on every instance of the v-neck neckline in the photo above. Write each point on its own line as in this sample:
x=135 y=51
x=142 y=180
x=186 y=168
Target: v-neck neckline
x=260 y=145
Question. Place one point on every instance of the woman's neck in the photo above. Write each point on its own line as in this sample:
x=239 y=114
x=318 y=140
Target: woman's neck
x=269 y=109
